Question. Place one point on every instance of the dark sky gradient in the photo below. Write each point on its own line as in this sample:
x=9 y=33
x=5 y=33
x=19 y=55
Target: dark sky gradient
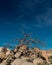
x=26 y=15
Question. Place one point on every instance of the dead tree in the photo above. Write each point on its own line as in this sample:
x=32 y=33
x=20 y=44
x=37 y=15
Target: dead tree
x=27 y=40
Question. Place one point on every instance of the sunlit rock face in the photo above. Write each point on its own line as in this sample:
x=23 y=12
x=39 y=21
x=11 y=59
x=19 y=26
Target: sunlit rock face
x=1 y=49
x=44 y=54
x=23 y=56
x=38 y=60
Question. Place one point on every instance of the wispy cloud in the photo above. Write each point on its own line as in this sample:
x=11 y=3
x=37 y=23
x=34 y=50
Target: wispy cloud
x=45 y=19
x=26 y=26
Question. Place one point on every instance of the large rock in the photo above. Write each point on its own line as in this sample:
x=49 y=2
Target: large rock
x=21 y=52
x=20 y=47
x=27 y=63
x=49 y=51
x=32 y=55
x=6 y=62
x=24 y=58
x=17 y=62
x=36 y=50
x=37 y=60
x=17 y=55
x=41 y=53
x=23 y=48
x=8 y=52
x=15 y=50
x=1 y=48
x=2 y=55
x=2 y=64
x=44 y=54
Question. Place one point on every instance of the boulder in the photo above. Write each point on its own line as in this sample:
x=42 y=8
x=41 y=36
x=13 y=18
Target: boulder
x=32 y=55
x=1 y=48
x=17 y=55
x=18 y=48
x=24 y=58
x=8 y=52
x=2 y=64
x=44 y=55
x=41 y=53
x=17 y=62
x=2 y=55
x=6 y=62
x=27 y=63
x=15 y=50
x=23 y=48
x=36 y=50
x=37 y=60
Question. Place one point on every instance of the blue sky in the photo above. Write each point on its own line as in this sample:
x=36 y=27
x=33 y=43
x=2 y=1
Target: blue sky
x=33 y=16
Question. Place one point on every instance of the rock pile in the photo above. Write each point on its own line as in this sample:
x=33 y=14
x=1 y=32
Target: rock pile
x=22 y=55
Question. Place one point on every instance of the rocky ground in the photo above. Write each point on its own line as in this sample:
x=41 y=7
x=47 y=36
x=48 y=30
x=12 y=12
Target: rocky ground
x=22 y=55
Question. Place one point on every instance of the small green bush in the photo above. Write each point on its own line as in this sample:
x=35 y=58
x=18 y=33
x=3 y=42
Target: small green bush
x=39 y=64
x=42 y=64
x=50 y=61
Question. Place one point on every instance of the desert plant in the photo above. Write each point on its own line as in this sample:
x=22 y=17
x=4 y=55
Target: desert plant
x=42 y=64
x=50 y=61
x=39 y=64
